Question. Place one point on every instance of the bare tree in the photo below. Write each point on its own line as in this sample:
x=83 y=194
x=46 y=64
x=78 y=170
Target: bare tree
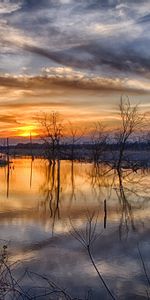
x=52 y=133
x=99 y=139
x=76 y=135
x=131 y=120
x=147 y=138
x=87 y=238
x=12 y=287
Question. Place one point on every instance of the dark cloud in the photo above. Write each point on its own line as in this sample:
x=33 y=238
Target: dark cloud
x=89 y=4
x=144 y=19
x=42 y=83
x=124 y=58
x=93 y=55
x=104 y=36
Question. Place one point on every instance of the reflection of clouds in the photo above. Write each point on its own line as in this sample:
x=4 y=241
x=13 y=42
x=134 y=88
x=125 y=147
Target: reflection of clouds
x=118 y=262
x=25 y=202
x=24 y=223
x=25 y=220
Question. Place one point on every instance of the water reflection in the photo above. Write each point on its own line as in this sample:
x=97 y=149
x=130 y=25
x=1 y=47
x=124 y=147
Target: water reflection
x=31 y=171
x=127 y=218
x=51 y=191
x=41 y=198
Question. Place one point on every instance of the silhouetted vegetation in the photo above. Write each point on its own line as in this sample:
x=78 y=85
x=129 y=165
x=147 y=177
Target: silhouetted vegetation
x=113 y=160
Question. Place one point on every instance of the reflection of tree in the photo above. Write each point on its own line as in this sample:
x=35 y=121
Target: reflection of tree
x=76 y=192
x=8 y=179
x=101 y=180
x=62 y=181
x=60 y=190
x=8 y=167
x=73 y=191
x=131 y=199
x=31 y=171
x=51 y=191
x=127 y=218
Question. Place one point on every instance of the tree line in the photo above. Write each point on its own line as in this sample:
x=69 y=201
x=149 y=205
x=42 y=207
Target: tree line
x=53 y=134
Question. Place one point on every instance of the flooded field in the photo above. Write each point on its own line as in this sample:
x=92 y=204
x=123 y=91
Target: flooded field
x=45 y=215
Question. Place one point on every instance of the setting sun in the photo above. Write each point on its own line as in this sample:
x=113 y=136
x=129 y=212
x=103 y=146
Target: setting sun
x=26 y=131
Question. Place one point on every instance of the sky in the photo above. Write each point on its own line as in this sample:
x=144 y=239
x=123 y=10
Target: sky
x=74 y=57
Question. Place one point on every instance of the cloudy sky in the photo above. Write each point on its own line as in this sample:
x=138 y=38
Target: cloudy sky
x=75 y=57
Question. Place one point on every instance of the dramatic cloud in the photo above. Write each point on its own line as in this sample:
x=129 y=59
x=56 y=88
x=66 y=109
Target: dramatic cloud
x=7 y=7
x=95 y=35
x=52 y=78
x=73 y=54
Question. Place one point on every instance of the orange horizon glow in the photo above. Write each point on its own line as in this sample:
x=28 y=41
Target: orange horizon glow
x=35 y=131
x=82 y=121
x=24 y=98
x=27 y=131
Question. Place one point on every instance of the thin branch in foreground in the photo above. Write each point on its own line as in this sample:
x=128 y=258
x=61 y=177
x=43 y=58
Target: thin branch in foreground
x=144 y=266
x=86 y=239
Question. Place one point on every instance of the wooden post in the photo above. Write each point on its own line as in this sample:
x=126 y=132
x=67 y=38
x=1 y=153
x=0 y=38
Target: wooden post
x=7 y=144
x=105 y=214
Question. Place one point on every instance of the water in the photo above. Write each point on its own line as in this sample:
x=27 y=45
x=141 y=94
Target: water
x=41 y=207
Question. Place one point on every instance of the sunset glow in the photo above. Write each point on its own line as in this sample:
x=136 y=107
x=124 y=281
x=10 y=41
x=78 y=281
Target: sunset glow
x=27 y=131
x=80 y=70
x=74 y=149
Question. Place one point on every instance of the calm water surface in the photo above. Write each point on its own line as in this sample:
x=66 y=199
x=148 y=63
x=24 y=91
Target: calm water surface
x=39 y=204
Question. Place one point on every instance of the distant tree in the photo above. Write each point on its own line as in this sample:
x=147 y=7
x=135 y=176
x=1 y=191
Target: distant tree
x=75 y=135
x=98 y=138
x=131 y=120
x=51 y=133
x=147 y=139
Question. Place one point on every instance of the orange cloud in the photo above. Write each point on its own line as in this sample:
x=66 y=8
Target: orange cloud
x=77 y=98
